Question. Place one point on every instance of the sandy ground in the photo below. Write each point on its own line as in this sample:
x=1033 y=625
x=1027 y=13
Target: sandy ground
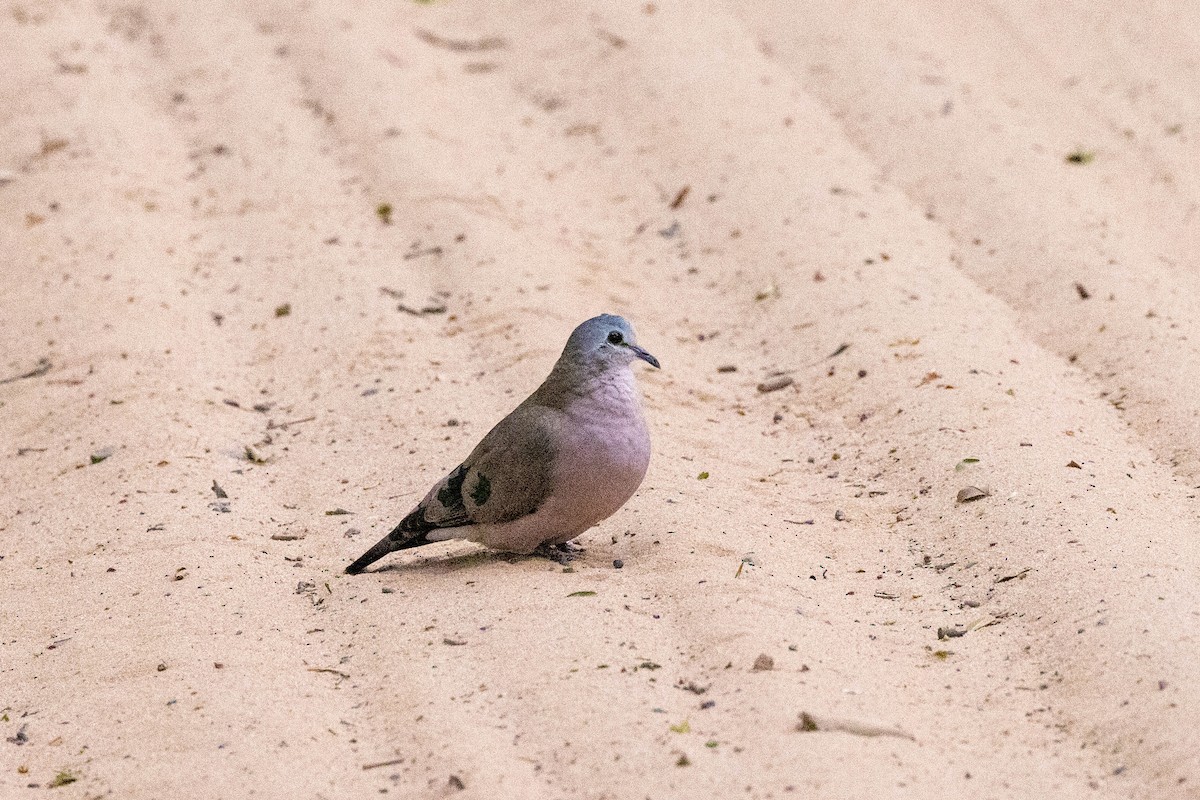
x=968 y=231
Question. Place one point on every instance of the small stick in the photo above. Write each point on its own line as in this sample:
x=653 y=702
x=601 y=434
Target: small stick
x=273 y=425
x=679 y=198
x=43 y=366
x=808 y=722
x=337 y=672
x=378 y=764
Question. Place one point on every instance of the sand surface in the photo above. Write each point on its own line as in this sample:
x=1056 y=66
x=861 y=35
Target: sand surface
x=310 y=253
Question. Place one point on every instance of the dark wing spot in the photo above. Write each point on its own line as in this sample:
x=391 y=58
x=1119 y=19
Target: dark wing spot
x=450 y=495
x=482 y=491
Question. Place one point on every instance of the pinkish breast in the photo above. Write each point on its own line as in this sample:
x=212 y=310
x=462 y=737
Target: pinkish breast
x=601 y=463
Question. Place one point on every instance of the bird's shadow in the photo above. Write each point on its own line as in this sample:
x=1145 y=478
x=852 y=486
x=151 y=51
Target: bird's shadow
x=454 y=563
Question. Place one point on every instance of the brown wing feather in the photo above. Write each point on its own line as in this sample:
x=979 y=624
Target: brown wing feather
x=506 y=476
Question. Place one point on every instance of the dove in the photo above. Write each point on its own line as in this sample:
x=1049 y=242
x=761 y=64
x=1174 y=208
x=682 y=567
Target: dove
x=565 y=459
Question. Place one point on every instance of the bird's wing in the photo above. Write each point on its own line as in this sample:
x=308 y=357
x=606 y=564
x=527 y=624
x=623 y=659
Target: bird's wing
x=506 y=477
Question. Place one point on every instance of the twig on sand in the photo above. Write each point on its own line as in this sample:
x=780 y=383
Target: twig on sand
x=273 y=425
x=43 y=366
x=1015 y=576
x=461 y=45
x=810 y=723
x=389 y=763
x=337 y=672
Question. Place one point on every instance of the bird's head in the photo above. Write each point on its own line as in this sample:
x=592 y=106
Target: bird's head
x=607 y=340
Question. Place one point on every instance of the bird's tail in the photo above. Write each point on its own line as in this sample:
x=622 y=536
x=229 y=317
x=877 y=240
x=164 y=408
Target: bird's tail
x=398 y=539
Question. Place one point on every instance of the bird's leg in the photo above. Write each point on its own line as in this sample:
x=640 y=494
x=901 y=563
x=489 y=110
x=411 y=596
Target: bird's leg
x=559 y=553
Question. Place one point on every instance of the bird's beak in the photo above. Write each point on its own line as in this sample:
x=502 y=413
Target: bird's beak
x=644 y=356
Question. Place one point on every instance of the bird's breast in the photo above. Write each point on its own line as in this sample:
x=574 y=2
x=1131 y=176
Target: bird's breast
x=603 y=463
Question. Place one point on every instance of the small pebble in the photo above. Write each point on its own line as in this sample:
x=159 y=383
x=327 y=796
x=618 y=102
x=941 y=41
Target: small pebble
x=839 y=515
x=763 y=663
x=618 y=563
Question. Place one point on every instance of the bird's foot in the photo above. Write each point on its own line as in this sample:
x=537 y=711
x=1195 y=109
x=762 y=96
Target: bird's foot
x=563 y=553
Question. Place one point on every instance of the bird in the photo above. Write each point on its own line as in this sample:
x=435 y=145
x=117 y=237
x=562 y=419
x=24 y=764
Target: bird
x=564 y=460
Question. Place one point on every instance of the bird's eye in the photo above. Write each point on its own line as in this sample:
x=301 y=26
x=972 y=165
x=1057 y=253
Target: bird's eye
x=615 y=337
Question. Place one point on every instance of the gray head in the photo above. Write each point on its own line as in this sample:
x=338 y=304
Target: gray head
x=603 y=342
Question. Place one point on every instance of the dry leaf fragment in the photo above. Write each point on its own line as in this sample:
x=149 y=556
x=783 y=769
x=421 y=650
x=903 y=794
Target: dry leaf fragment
x=930 y=377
